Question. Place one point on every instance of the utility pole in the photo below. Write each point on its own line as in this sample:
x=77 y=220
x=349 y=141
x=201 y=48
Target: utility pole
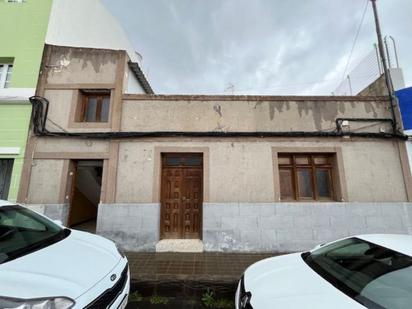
x=385 y=67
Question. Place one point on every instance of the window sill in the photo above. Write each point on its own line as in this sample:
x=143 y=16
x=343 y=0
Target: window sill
x=90 y=125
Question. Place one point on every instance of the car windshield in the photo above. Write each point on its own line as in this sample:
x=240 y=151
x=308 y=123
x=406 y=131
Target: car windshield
x=374 y=276
x=23 y=231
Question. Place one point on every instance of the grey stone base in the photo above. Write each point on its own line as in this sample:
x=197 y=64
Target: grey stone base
x=53 y=211
x=285 y=227
x=134 y=227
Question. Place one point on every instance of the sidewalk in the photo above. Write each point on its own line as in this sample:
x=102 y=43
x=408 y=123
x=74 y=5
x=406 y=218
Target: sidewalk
x=199 y=267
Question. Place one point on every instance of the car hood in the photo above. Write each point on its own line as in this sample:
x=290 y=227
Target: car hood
x=288 y=282
x=68 y=268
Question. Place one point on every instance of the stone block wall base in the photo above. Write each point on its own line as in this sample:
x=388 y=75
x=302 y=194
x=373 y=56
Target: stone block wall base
x=179 y=245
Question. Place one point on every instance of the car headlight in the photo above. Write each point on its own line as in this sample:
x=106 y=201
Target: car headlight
x=120 y=251
x=37 y=303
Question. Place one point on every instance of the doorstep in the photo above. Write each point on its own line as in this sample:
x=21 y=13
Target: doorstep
x=180 y=245
x=195 y=267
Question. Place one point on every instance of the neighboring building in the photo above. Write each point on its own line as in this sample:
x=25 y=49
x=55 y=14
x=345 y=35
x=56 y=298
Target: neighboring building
x=79 y=23
x=405 y=104
x=23 y=27
x=231 y=173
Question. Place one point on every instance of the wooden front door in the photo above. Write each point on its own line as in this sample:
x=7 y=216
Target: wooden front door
x=181 y=195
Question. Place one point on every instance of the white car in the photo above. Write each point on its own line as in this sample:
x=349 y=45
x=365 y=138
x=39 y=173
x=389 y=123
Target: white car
x=44 y=265
x=367 y=271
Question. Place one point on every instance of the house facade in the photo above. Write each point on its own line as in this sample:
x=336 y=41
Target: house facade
x=215 y=173
x=21 y=49
x=75 y=23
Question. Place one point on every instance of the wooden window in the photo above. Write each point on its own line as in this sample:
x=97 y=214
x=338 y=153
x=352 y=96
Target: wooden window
x=94 y=106
x=306 y=176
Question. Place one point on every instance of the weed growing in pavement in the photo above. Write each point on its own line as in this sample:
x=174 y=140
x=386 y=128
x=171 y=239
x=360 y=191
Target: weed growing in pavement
x=159 y=300
x=191 y=301
x=135 y=297
x=208 y=298
x=224 y=303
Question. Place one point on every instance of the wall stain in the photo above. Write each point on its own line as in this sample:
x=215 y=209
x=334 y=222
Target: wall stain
x=369 y=108
x=97 y=58
x=218 y=109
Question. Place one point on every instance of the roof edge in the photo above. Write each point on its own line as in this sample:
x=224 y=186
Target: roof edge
x=171 y=97
x=137 y=71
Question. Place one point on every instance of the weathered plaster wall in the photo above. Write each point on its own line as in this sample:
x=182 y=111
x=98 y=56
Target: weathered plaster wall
x=81 y=65
x=52 y=211
x=243 y=114
x=135 y=227
x=244 y=168
x=378 y=87
x=288 y=227
x=45 y=182
x=53 y=145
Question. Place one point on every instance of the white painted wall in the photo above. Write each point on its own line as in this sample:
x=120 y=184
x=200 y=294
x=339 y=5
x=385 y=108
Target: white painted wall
x=398 y=80
x=86 y=23
x=409 y=150
x=16 y=94
x=133 y=85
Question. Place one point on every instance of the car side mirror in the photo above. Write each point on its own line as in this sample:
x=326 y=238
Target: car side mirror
x=58 y=222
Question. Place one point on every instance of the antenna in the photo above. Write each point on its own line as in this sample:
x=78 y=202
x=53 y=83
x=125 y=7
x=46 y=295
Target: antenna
x=230 y=88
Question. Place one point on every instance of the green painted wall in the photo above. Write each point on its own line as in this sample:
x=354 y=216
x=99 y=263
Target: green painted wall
x=14 y=123
x=23 y=28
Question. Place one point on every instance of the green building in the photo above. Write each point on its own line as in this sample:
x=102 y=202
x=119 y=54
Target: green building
x=23 y=27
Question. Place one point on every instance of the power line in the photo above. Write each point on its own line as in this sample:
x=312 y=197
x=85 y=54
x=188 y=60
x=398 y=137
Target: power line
x=356 y=39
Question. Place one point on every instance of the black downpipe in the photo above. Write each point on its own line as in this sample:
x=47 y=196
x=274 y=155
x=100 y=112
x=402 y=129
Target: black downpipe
x=41 y=106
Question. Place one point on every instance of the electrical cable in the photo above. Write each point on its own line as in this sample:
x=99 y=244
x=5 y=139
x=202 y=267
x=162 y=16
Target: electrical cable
x=40 y=109
x=356 y=39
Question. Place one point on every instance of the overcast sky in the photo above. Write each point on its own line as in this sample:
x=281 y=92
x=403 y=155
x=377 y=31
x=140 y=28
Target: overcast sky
x=259 y=46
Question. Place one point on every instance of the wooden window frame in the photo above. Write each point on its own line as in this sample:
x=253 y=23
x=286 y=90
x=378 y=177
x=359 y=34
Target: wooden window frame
x=99 y=94
x=294 y=167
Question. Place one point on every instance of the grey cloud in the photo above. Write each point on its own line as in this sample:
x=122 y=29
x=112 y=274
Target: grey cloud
x=260 y=46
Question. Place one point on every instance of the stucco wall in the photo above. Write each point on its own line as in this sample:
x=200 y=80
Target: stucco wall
x=81 y=65
x=45 y=181
x=48 y=145
x=243 y=114
x=244 y=168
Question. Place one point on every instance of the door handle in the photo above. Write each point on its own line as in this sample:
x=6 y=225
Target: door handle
x=183 y=198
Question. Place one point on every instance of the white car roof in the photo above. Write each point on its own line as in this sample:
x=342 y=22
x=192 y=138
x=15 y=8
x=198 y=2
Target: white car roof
x=396 y=242
x=6 y=203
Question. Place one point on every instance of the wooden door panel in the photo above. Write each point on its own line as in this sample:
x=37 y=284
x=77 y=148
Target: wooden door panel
x=181 y=199
x=171 y=192
x=192 y=199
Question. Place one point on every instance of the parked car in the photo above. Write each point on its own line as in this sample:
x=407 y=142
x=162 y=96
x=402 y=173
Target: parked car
x=367 y=271
x=45 y=265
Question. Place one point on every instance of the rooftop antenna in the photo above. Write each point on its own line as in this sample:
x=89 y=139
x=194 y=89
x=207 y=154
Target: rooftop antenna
x=230 y=88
